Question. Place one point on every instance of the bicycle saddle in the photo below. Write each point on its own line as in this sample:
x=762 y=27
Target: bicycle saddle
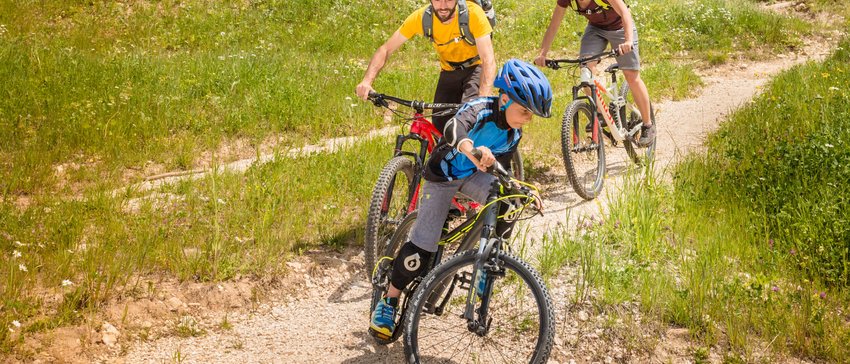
x=613 y=68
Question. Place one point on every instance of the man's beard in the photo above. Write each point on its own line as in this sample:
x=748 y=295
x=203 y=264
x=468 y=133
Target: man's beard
x=447 y=18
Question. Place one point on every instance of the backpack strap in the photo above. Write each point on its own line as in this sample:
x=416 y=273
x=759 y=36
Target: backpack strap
x=462 y=20
x=602 y=6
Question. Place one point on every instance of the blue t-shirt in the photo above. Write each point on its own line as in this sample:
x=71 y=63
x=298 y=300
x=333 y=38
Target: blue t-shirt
x=482 y=122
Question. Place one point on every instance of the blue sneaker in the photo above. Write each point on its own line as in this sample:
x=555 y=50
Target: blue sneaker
x=383 y=318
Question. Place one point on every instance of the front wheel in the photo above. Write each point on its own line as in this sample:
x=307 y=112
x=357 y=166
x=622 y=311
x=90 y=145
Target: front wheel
x=520 y=324
x=584 y=153
x=391 y=199
x=631 y=119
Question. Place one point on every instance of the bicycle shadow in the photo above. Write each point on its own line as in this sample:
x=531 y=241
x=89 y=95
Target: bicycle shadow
x=354 y=289
x=375 y=353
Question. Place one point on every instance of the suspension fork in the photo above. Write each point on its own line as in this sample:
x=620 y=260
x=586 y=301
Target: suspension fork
x=489 y=245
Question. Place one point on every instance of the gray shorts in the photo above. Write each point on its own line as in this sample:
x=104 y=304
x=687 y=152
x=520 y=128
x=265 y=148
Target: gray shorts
x=595 y=40
x=434 y=203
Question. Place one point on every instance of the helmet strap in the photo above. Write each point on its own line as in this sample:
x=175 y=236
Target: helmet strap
x=507 y=104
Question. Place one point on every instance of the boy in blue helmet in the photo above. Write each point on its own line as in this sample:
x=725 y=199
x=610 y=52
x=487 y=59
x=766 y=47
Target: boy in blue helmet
x=493 y=125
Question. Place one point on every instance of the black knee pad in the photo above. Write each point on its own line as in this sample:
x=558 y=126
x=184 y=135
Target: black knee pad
x=411 y=262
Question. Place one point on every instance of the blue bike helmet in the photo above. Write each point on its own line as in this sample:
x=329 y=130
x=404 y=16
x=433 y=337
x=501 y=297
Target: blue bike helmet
x=526 y=85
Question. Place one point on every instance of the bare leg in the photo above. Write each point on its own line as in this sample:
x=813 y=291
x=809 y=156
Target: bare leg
x=393 y=292
x=640 y=94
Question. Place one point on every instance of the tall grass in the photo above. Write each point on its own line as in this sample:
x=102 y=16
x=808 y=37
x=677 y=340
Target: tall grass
x=748 y=246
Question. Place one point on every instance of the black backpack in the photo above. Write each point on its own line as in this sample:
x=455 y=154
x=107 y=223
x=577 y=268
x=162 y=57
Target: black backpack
x=462 y=20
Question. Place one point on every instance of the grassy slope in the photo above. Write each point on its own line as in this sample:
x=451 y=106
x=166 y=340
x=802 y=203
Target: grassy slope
x=750 y=243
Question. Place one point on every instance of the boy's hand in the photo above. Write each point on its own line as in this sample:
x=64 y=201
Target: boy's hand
x=487 y=159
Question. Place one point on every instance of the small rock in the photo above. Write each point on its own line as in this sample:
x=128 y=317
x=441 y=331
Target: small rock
x=174 y=304
x=109 y=334
x=582 y=316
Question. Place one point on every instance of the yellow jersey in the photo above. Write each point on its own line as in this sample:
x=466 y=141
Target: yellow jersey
x=448 y=42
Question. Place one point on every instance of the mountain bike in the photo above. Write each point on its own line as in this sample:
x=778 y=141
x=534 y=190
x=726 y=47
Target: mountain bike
x=582 y=146
x=480 y=305
x=397 y=190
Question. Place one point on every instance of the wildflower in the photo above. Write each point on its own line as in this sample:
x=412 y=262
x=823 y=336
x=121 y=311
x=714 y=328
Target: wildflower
x=833 y=88
x=822 y=295
x=16 y=323
x=793 y=251
x=774 y=288
x=770 y=243
x=16 y=254
x=22 y=267
x=18 y=243
x=67 y=282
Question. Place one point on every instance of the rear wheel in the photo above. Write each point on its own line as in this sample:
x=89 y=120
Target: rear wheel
x=517 y=166
x=584 y=156
x=631 y=119
x=391 y=199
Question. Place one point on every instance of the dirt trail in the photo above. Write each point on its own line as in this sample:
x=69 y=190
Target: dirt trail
x=322 y=315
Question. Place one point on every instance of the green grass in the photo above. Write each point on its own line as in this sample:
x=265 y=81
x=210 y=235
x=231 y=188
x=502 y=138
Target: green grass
x=747 y=246
x=111 y=88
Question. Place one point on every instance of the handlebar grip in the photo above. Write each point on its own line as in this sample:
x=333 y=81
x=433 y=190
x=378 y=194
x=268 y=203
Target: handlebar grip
x=476 y=153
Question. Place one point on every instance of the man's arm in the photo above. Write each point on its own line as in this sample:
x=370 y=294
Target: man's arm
x=551 y=31
x=628 y=24
x=488 y=64
x=377 y=63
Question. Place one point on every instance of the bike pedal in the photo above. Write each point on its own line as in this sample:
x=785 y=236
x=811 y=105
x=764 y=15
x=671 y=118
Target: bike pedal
x=379 y=335
x=465 y=280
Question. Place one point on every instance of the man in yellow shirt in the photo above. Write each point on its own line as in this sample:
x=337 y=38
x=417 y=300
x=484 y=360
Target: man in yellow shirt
x=468 y=64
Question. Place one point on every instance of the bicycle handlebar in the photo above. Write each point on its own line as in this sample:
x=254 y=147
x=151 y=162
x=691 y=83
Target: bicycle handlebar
x=381 y=100
x=556 y=63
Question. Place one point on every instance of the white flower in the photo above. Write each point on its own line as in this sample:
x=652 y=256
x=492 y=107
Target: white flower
x=22 y=267
x=16 y=323
x=18 y=243
x=16 y=254
x=221 y=201
x=67 y=282
x=833 y=88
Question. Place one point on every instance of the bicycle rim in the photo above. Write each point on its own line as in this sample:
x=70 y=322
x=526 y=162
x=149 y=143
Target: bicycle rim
x=522 y=326
x=584 y=158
